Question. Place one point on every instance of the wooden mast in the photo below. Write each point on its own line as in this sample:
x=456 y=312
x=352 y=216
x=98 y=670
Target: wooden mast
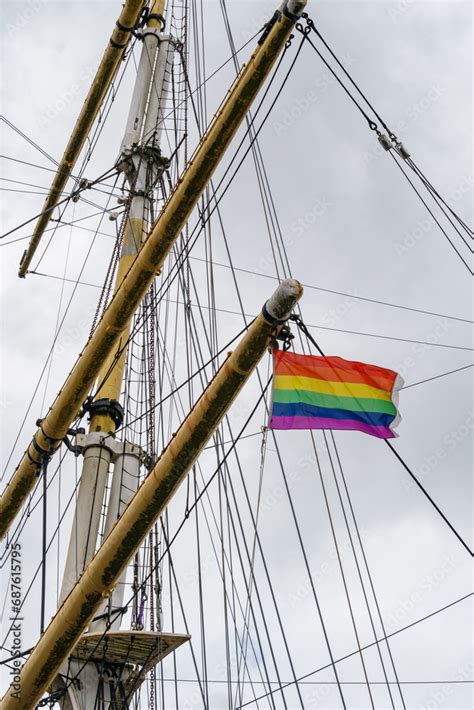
x=141 y=171
x=105 y=74
x=53 y=428
x=102 y=573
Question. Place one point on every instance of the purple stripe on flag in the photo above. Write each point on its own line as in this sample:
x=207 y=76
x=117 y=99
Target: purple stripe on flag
x=381 y=432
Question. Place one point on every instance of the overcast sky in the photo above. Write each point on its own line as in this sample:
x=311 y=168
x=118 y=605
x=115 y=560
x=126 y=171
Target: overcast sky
x=351 y=224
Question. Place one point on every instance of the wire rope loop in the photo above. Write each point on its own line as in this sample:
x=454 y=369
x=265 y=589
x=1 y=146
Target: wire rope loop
x=305 y=31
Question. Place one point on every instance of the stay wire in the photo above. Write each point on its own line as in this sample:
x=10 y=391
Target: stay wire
x=275 y=278
x=436 y=377
x=311 y=325
x=432 y=189
x=343 y=293
x=373 y=126
x=251 y=513
x=39 y=566
x=302 y=326
x=308 y=570
x=390 y=133
x=110 y=173
x=39 y=167
x=427 y=495
x=231 y=486
x=441 y=205
x=28 y=139
x=370 y=645
x=196 y=345
x=196 y=340
x=356 y=560
x=407 y=177
x=255 y=149
x=339 y=660
x=312 y=25
x=341 y=568
x=367 y=568
x=306 y=32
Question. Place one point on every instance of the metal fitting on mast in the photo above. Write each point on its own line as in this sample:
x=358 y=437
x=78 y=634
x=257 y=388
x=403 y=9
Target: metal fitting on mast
x=278 y=308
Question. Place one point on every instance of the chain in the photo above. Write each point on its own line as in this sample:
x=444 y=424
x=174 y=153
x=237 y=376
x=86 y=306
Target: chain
x=105 y=293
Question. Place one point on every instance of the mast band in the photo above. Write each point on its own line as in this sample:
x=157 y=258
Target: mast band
x=41 y=451
x=116 y=45
x=291 y=15
x=33 y=461
x=271 y=319
x=156 y=16
x=123 y=28
x=108 y=407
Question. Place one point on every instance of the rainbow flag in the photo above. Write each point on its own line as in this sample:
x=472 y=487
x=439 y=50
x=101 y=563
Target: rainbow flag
x=312 y=392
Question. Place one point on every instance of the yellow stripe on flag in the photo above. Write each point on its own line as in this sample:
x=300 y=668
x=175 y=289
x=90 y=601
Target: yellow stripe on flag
x=341 y=389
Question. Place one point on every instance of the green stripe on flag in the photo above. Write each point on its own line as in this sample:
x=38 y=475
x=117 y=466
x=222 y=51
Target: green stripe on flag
x=331 y=401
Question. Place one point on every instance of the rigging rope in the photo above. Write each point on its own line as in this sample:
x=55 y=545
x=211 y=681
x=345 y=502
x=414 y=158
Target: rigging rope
x=395 y=144
x=370 y=645
x=304 y=329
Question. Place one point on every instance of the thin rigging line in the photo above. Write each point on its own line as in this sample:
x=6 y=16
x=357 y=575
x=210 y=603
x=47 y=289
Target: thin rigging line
x=349 y=655
x=110 y=173
x=370 y=645
x=420 y=486
x=197 y=346
x=28 y=140
x=328 y=682
x=441 y=205
x=310 y=325
x=61 y=224
x=40 y=167
x=407 y=177
x=390 y=337
x=373 y=126
x=369 y=575
x=340 y=293
x=303 y=327
x=436 y=377
x=433 y=191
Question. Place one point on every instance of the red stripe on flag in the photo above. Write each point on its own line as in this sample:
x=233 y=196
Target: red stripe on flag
x=333 y=369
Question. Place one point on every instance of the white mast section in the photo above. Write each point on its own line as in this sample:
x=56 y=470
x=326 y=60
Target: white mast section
x=141 y=160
